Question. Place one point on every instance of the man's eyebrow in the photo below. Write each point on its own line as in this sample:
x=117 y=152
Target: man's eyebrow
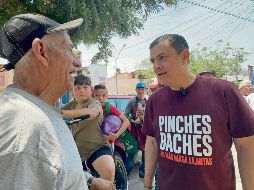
x=160 y=54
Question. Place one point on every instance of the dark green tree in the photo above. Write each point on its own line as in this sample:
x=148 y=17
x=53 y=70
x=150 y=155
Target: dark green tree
x=103 y=19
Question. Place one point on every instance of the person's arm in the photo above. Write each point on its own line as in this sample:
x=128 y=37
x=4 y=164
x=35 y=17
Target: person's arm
x=93 y=112
x=128 y=109
x=99 y=183
x=245 y=155
x=151 y=160
x=124 y=126
x=102 y=184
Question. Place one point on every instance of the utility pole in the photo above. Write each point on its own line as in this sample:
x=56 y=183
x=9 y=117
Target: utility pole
x=116 y=66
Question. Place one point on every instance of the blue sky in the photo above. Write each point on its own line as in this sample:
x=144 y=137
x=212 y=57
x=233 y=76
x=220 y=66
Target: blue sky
x=196 y=23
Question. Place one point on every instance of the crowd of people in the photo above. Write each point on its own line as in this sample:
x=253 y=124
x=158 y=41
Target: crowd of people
x=185 y=129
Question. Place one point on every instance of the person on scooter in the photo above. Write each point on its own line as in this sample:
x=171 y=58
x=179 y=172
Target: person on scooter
x=93 y=148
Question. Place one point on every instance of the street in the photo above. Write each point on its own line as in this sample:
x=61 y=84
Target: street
x=135 y=183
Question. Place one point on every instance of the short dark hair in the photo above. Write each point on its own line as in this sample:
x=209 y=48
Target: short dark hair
x=82 y=80
x=176 y=41
x=100 y=87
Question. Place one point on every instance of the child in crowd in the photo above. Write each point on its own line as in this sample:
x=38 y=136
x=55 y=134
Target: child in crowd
x=95 y=151
x=101 y=93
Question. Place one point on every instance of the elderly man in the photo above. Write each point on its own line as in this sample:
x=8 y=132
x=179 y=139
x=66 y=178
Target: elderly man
x=191 y=123
x=208 y=73
x=245 y=87
x=37 y=150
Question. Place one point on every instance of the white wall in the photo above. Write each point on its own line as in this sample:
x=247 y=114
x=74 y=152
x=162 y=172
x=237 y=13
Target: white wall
x=98 y=74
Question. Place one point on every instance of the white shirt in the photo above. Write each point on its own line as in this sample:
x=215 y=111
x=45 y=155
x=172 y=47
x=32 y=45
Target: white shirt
x=37 y=150
x=250 y=100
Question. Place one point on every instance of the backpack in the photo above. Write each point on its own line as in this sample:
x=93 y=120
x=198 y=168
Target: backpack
x=130 y=144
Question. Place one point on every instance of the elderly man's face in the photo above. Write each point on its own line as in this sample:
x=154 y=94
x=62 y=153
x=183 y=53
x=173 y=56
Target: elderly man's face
x=247 y=89
x=63 y=64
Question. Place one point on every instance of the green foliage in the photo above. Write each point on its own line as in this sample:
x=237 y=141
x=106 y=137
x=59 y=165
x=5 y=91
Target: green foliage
x=103 y=19
x=225 y=60
x=146 y=70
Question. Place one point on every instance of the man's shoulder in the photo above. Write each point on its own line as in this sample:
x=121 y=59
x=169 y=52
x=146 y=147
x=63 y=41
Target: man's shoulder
x=133 y=100
x=13 y=106
x=160 y=92
x=92 y=102
x=215 y=82
x=26 y=132
x=251 y=95
x=216 y=85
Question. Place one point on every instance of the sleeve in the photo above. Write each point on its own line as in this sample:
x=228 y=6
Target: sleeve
x=69 y=106
x=240 y=115
x=95 y=104
x=114 y=111
x=24 y=171
x=147 y=128
x=128 y=109
x=250 y=100
x=87 y=175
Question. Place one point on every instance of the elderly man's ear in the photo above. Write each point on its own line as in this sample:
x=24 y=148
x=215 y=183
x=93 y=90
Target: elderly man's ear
x=40 y=51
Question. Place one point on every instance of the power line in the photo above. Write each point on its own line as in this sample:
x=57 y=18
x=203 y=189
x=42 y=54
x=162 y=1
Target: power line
x=196 y=18
x=232 y=32
x=215 y=20
x=220 y=29
x=219 y=11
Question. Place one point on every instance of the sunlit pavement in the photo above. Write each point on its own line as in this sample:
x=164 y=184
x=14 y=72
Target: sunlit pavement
x=135 y=183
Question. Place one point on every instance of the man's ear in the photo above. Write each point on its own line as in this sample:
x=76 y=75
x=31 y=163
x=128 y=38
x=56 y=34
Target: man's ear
x=185 y=56
x=40 y=51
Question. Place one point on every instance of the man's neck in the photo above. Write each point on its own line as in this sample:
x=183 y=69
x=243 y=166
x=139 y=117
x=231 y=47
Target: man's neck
x=141 y=97
x=183 y=82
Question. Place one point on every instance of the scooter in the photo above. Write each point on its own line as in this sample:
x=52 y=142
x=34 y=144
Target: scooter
x=121 y=178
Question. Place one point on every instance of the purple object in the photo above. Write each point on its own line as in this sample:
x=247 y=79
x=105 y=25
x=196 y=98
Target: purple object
x=111 y=124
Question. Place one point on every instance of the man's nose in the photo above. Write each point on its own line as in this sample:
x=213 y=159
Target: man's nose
x=156 y=65
x=76 y=62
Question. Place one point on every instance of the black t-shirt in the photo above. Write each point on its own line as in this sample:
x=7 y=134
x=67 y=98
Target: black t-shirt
x=194 y=133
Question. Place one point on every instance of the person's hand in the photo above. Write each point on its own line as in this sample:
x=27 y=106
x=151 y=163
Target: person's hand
x=112 y=136
x=102 y=184
x=139 y=112
x=137 y=121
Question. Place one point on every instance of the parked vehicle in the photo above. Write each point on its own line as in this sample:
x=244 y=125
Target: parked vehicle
x=120 y=101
